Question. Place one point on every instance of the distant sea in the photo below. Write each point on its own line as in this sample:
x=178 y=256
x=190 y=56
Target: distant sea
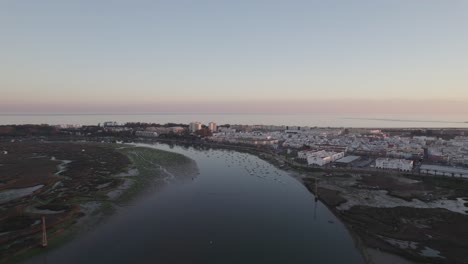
x=319 y=120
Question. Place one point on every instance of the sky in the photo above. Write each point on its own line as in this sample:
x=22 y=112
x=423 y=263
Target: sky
x=388 y=56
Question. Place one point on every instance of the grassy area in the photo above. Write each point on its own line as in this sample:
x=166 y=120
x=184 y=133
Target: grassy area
x=53 y=240
x=107 y=208
x=148 y=162
x=459 y=186
x=141 y=156
x=306 y=169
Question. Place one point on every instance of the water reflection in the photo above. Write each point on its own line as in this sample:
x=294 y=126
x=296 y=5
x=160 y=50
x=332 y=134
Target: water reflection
x=239 y=209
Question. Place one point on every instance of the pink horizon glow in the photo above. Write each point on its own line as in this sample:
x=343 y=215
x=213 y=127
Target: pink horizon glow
x=338 y=106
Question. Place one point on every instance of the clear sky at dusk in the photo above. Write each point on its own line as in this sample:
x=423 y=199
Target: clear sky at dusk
x=233 y=56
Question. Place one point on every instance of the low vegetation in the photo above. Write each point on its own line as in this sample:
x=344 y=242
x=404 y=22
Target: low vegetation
x=73 y=174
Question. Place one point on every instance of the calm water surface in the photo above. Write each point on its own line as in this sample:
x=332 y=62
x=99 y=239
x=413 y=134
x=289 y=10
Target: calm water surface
x=239 y=209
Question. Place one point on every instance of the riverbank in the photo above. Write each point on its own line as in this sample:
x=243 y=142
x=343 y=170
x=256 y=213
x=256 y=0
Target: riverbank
x=422 y=222
x=78 y=186
x=151 y=169
x=394 y=218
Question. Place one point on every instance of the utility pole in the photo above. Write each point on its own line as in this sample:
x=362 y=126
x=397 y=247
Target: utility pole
x=316 y=189
x=315 y=210
x=44 y=233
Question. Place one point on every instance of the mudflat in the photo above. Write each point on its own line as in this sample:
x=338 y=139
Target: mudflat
x=420 y=218
x=74 y=185
x=50 y=179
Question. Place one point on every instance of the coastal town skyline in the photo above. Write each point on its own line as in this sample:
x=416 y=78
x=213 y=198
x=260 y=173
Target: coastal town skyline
x=248 y=131
x=400 y=57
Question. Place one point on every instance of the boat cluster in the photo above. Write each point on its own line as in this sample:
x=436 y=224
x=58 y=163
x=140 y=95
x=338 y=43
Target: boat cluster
x=253 y=166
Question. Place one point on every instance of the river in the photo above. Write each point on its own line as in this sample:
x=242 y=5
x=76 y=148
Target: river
x=239 y=209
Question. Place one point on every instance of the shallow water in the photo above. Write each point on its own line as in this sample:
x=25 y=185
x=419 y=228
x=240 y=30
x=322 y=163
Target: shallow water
x=239 y=209
x=11 y=194
x=429 y=252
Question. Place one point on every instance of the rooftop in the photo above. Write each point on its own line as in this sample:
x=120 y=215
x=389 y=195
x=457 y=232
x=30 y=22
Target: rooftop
x=348 y=159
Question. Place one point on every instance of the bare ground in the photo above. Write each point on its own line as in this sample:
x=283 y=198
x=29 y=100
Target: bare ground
x=423 y=220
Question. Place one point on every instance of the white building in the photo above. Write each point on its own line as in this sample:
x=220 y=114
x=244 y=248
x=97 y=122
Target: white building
x=226 y=130
x=177 y=129
x=243 y=138
x=212 y=126
x=146 y=134
x=394 y=164
x=319 y=158
x=166 y=130
x=68 y=126
x=302 y=154
x=194 y=126
x=110 y=124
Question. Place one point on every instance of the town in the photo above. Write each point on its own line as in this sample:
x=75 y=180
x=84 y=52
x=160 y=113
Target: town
x=389 y=186
x=423 y=151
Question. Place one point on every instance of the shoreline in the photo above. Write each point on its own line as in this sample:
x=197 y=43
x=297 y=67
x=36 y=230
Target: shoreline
x=92 y=211
x=375 y=252
x=369 y=253
x=292 y=172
